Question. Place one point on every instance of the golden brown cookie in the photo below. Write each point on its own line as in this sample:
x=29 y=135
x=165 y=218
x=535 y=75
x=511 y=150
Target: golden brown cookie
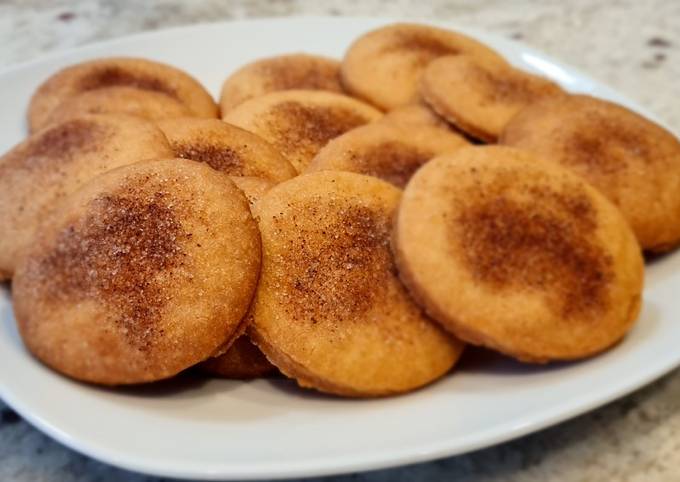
x=38 y=173
x=632 y=160
x=388 y=151
x=226 y=148
x=481 y=96
x=300 y=122
x=120 y=100
x=242 y=359
x=96 y=74
x=511 y=252
x=384 y=65
x=329 y=310
x=144 y=272
x=283 y=72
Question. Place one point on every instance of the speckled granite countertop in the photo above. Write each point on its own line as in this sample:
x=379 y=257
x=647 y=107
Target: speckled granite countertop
x=631 y=45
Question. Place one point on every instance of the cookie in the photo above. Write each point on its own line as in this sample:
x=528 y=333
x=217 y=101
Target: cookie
x=141 y=274
x=120 y=100
x=329 y=309
x=632 y=160
x=384 y=66
x=141 y=74
x=242 y=359
x=226 y=148
x=480 y=97
x=283 y=72
x=517 y=254
x=300 y=122
x=387 y=151
x=39 y=172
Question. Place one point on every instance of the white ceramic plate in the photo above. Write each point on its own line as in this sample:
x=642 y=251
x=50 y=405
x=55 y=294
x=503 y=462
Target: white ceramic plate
x=269 y=429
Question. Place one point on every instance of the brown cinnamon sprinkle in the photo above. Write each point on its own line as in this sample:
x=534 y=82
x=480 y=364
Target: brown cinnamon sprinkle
x=221 y=158
x=541 y=244
x=59 y=144
x=306 y=128
x=336 y=263
x=508 y=86
x=112 y=76
x=391 y=161
x=422 y=47
x=607 y=144
x=113 y=256
x=286 y=73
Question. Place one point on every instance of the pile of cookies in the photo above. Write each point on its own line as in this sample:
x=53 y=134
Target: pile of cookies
x=351 y=225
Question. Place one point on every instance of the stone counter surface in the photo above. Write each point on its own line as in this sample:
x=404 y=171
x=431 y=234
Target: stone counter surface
x=633 y=46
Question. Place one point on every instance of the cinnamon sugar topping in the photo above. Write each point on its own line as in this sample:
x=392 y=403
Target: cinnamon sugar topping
x=544 y=244
x=307 y=128
x=282 y=74
x=508 y=86
x=111 y=76
x=422 y=46
x=337 y=262
x=61 y=142
x=607 y=145
x=115 y=256
x=221 y=158
x=391 y=161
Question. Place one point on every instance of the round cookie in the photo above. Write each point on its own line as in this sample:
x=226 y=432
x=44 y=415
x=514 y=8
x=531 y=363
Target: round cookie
x=141 y=274
x=300 y=122
x=39 y=172
x=384 y=65
x=120 y=100
x=283 y=72
x=329 y=309
x=632 y=160
x=226 y=148
x=387 y=151
x=519 y=255
x=480 y=97
x=242 y=359
x=96 y=74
